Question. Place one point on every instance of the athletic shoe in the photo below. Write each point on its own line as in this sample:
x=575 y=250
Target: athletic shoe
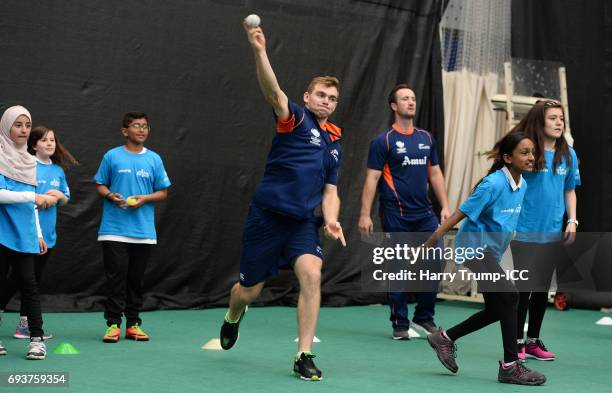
x=136 y=333
x=537 y=350
x=445 y=349
x=401 y=334
x=521 y=352
x=518 y=374
x=425 y=328
x=2 y=349
x=229 y=332
x=37 y=349
x=23 y=331
x=305 y=368
x=112 y=335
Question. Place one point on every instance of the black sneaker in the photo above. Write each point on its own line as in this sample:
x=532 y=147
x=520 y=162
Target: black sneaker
x=401 y=334
x=426 y=327
x=445 y=349
x=305 y=368
x=229 y=332
x=518 y=374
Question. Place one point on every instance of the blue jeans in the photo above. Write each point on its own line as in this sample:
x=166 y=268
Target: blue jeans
x=426 y=301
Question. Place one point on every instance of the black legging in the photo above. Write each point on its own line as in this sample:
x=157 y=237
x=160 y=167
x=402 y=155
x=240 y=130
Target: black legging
x=499 y=306
x=22 y=266
x=540 y=259
x=12 y=284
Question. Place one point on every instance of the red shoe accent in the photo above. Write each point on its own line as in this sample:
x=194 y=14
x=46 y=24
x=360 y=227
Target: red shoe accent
x=135 y=333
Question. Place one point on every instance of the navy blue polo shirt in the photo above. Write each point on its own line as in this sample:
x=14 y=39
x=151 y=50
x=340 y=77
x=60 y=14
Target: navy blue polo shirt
x=302 y=159
x=404 y=157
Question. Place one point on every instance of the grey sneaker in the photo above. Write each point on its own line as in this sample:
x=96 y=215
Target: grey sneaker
x=518 y=374
x=426 y=328
x=401 y=334
x=2 y=349
x=445 y=349
x=37 y=349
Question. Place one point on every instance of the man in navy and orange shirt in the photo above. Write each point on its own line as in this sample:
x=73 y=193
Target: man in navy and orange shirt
x=281 y=228
x=402 y=163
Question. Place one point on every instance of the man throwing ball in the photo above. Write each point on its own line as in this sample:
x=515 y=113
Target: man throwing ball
x=281 y=228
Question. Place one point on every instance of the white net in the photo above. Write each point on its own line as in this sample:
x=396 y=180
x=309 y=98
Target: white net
x=475 y=35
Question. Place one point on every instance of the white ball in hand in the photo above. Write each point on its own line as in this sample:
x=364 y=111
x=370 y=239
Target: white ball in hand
x=253 y=20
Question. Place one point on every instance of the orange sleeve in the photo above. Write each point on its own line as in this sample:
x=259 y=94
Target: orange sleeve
x=285 y=126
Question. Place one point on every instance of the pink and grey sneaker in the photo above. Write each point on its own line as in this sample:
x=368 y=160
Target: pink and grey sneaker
x=537 y=350
x=521 y=352
x=22 y=331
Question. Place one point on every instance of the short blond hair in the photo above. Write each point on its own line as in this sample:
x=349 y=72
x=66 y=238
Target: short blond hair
x=328 y=81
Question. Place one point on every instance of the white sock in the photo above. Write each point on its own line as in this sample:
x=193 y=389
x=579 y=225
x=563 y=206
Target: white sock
x=506 y=365
x=531 y=340
x=445 y=335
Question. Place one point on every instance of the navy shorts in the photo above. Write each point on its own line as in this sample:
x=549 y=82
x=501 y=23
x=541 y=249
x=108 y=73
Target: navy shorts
x=272 y=241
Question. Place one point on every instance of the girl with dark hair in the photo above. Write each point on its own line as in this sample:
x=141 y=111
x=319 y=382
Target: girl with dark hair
x=20 y=237
x=551 y=195
x=51 y=160
x=492 y=212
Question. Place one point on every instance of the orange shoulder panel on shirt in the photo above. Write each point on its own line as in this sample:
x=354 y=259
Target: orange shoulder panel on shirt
x=334 y=131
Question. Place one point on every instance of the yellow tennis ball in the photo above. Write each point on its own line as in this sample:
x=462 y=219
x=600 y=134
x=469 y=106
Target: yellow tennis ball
x=131 y=201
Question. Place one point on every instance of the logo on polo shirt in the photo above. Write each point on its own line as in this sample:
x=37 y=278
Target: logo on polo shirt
x=42 y=182
x=124 y=171
x=315 y=139
x=423 y=146
x=143 y=173
x=561 y=171
x=414 y=161
x=512 y=210
x=55 y=183
x=401 y=147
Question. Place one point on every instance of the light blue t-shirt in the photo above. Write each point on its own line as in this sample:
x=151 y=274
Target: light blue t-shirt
x=130 y=174
x=544 y=205
x=492 y=213
x=17 y=220
x=50 y=177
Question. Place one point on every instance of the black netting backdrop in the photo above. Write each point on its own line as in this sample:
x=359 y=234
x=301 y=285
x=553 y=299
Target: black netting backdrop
x=79 y=66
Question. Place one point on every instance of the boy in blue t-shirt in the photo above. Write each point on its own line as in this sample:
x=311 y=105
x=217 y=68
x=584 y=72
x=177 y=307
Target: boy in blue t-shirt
x=130 y=178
